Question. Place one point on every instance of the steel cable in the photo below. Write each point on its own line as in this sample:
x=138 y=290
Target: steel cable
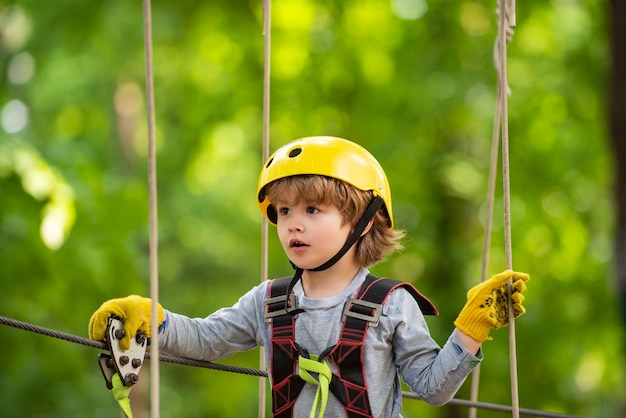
x=244 y=370
x=102 y=346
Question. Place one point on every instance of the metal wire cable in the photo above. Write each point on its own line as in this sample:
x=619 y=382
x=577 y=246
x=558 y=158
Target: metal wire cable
x=243 y=370
x=497 y=408
x=102 y=346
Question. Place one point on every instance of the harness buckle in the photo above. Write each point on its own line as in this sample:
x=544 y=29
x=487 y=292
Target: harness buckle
x=353 y=303
x=273 y=307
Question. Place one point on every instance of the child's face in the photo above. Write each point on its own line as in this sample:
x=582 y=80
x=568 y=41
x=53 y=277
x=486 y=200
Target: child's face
x=310 y=234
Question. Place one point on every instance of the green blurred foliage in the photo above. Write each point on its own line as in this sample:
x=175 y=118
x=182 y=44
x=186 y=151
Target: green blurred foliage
x=411 y=80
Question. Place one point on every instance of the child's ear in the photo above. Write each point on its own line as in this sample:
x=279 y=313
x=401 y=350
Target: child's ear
x=368 y=227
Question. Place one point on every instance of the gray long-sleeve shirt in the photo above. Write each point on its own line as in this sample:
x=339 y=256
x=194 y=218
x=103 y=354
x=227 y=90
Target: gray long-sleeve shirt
x=400 y=345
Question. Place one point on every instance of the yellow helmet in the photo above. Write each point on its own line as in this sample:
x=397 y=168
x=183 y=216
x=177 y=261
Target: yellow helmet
x=325 y=156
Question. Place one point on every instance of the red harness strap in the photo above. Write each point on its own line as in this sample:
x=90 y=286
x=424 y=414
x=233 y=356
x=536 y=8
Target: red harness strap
x=349 y=384
x=286 y=383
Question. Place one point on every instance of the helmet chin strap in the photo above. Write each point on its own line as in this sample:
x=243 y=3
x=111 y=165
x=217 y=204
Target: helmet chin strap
x=367 y=216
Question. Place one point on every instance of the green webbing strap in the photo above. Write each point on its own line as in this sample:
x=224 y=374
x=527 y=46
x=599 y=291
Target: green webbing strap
x=120 y=393
x=324 y=375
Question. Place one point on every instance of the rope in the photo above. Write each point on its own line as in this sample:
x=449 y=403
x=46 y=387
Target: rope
x=267 y=49
x=152 y=182
x=506 y=21
x=236 y=369
x=493 y=166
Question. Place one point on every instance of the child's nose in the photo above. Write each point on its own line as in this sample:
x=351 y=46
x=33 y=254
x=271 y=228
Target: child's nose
x=295 y=223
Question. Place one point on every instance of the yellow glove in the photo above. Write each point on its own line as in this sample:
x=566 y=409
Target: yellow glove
x=134 y=311
x=487 y=304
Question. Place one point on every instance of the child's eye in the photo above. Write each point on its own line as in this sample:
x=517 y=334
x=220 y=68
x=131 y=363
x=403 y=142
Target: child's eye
x=311 y=210
x=283 y=211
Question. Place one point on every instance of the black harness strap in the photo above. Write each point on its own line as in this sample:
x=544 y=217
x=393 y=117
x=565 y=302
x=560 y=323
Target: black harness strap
x=361 y=312
x=349 y=384
x=286 y=383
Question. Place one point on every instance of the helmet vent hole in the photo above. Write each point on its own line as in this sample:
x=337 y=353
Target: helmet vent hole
x=269 y=163
x=272 y=215
x=295 y=152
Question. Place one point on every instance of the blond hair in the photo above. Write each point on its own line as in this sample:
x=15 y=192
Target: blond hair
x=379 y=242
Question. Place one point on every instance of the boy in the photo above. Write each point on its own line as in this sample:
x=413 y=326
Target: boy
x=330 y=201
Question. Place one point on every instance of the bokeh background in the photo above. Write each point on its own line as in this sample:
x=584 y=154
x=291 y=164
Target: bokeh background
x=411 y=80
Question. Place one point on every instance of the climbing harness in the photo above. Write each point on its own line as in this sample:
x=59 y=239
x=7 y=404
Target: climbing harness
x=121 y=368
x=14 y=323
x=321 y=369
x=348 y=384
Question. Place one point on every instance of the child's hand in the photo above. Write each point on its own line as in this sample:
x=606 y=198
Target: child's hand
x=487 y=304
x=134 y=311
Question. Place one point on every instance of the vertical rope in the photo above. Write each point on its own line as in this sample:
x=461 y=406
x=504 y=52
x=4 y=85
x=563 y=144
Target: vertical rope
x=493 y=167
x=505 y=23
x=152 y=182
x=267 y=49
